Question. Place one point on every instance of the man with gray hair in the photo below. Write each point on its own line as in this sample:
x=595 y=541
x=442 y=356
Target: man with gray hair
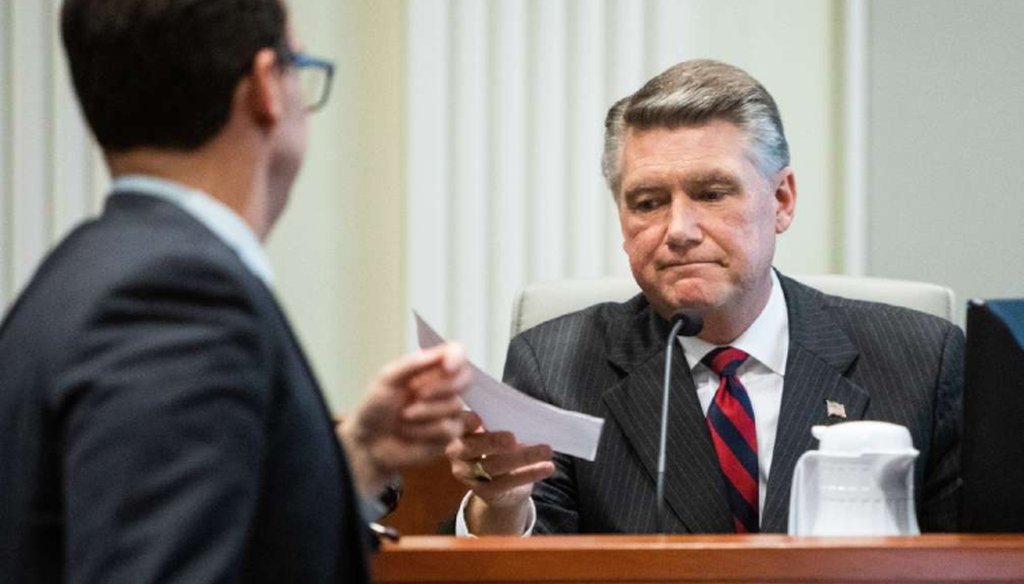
x=698 y=164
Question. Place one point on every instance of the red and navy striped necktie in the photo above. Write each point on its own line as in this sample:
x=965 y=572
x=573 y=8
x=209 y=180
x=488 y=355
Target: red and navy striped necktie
x=731 y=421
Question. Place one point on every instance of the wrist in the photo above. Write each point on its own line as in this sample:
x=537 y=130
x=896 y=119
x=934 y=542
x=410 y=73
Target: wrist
x=371 y=477
x=508 y=518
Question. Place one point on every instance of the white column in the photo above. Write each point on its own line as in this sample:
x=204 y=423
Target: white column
x=547 y=109
x=588 y=200
x=429 y=166
x=468 y=302
x=507 y=241
x=855 y=130
x=72 y=150
x=47 y=160
x=673 y=37
x=6 y=98
x=31 y=134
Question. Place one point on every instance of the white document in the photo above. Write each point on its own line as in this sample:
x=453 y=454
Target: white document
x=504 y=408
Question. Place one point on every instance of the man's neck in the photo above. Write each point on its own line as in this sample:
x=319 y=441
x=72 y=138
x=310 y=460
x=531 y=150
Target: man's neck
x=724 y=324
x=232 y=180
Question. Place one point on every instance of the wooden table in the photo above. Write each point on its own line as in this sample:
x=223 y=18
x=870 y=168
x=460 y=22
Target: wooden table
x=699 y=558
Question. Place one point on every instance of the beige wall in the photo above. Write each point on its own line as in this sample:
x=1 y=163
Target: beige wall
x=337 y=250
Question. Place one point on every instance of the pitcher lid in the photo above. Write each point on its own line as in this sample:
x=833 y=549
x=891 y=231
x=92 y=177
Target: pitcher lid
x=863 y=436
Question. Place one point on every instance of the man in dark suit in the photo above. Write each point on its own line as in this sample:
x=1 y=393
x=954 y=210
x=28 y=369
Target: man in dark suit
x=699 y=168
x=159 y=420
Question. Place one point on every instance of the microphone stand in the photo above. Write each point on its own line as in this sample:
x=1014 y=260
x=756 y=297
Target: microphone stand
x=691 y=325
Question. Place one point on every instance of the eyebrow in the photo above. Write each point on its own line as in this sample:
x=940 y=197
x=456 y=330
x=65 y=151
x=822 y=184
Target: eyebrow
x=713 y=177
x=695 y=182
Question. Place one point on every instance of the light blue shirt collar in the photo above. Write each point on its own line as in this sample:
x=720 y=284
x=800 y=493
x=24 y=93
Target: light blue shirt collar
x=216 y=216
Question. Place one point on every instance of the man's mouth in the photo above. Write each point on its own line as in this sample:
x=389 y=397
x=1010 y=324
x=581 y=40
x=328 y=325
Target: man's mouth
x=684 y=265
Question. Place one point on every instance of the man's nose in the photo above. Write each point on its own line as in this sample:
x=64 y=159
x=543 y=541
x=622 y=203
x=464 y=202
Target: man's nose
x=684 y=226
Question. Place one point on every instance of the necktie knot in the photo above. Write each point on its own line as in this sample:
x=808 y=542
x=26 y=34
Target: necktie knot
x=724 y=361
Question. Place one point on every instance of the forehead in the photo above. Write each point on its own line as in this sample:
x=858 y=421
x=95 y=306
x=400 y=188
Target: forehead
x=717 y=145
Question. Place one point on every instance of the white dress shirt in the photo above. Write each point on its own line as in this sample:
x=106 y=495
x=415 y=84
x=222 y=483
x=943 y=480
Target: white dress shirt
x=216 y=216
x=766 y=340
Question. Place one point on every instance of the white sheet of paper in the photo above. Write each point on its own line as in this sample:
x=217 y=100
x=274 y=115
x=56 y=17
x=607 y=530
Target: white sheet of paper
x=504 y=408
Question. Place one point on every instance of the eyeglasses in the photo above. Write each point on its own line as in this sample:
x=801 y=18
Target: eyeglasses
x=315 y=76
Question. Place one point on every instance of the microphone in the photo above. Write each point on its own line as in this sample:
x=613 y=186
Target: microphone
x=688 y=324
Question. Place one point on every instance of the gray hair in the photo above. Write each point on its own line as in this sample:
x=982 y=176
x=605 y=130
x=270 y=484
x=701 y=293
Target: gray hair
x=693 y=93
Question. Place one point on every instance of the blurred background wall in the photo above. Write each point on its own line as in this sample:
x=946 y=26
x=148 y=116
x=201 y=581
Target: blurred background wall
x=459 y=156
x=946 y=144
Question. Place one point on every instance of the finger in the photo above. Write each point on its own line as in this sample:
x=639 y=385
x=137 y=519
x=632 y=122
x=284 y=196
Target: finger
x=439 y=432
x=470 y=425
x=429 y=411
x=435 y=383
x=418 y=455
x=486 y=444
x=472 y=421
x=453 y=357
x=472 y=445
x=500 y=464
x=461 y=381
x=401 y=369
x=519 y=477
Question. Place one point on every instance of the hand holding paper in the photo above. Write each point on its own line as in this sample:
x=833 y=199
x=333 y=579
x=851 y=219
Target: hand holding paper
x=505 y=409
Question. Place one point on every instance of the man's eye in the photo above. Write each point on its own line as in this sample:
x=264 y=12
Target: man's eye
x=643 y=205
x=712 y=195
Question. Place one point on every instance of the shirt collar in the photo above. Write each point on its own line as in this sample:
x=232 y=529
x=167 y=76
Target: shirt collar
x=766 y=339
x=216 y=216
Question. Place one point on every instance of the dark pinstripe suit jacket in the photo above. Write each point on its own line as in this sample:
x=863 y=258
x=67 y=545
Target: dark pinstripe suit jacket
x=882 y=362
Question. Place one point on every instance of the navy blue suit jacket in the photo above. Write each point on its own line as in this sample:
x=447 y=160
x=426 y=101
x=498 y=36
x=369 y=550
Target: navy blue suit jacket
x=160 y=422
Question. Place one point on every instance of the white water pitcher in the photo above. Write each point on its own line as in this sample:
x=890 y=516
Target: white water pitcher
x=860 y=481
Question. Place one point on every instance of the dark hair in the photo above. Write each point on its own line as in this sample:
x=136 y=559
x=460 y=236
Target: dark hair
x=692 y=93
x=162 y=72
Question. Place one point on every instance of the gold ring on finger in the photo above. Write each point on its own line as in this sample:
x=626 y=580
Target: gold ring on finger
x=480 y=473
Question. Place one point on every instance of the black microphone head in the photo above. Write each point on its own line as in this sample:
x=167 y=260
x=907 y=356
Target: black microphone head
x=692 y=321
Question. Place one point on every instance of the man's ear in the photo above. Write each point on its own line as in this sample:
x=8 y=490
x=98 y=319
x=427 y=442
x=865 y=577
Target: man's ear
x=263 y=98
x=785 y=200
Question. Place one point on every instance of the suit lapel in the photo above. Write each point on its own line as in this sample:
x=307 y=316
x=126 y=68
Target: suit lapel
x=820 y=357
x=693 y=486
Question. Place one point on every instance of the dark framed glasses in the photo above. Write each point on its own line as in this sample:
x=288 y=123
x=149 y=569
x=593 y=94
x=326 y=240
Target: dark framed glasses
x=315 y=77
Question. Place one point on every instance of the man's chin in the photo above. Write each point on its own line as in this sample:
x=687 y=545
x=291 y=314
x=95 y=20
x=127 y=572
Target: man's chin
x=697 y=298
x=692 y=292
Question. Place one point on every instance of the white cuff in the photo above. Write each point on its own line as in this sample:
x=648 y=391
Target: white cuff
x=461 y=530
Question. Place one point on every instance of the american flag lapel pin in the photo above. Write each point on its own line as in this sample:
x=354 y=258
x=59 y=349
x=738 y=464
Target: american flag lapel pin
x=835 y=409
